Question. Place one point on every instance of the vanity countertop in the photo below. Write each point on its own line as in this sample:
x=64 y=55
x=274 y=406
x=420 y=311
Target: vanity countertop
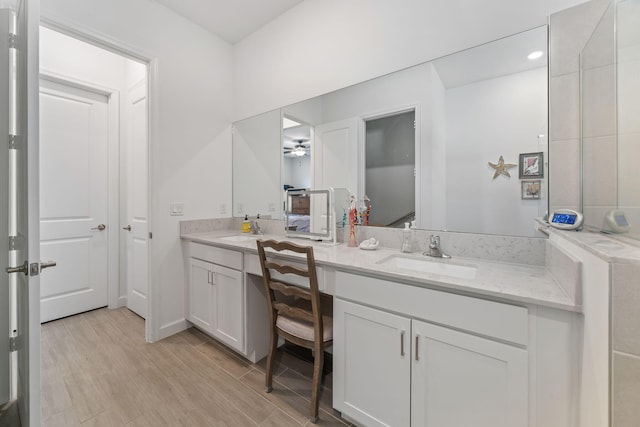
x=512 y=282
x=604 y=246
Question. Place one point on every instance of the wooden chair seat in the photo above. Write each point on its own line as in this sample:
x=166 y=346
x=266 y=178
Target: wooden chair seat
x=304 y=329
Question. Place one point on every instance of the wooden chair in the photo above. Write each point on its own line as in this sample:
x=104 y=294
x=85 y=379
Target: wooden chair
x=300 y=322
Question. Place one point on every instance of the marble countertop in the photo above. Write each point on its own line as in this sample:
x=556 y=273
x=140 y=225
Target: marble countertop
x=512 y=282
x=607 y=247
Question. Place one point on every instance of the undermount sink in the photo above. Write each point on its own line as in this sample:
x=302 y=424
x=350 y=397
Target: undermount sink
x=240 y=238
x=428 y=265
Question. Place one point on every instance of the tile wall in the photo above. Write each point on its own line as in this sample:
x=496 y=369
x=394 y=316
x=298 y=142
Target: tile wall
x=569 y=32
x=625 y=302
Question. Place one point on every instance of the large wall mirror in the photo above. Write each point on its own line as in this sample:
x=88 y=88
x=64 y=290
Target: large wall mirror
x=417 y=142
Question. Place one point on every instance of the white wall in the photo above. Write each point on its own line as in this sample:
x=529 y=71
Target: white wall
x=297 y=171
x=257 y=150
x=80 y=61
x=484 y=121
x=191 y=137
x=346 y=42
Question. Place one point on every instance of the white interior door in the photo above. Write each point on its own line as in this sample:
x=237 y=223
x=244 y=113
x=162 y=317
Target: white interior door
x=5 y=129
x=137 y=227
x=19 y=183
x=335 y=156
x=74 y=198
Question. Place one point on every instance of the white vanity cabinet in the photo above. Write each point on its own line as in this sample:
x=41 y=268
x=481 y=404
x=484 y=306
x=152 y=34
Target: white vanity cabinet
x=371 y=365
x=458 y=379
x=400 y=370
x=216 y=293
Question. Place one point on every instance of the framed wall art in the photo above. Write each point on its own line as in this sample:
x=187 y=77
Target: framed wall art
x=531 y=189
x=531 y=165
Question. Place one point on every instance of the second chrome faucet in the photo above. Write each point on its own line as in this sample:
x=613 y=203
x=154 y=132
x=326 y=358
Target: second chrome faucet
x=434 y=248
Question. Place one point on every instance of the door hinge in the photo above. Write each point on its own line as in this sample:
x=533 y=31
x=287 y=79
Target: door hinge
x=13 y=41
x=16 y=242
x=13 y=343
x=15 y=141
x=150 y=235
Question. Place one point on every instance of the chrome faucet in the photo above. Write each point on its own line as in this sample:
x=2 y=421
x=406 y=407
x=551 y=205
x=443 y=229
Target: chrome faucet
x=434 y=248
x=255 y=228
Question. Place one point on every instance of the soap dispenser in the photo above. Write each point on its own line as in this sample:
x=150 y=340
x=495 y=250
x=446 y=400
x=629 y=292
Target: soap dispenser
x=406 y=239
x=246 y=224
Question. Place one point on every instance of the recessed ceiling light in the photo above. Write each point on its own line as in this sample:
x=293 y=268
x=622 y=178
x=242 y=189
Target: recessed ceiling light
x=535 y=55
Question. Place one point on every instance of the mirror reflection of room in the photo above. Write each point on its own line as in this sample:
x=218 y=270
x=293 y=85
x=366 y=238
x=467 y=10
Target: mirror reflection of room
x=470 y=108
x=390 y=148
x=296 y=147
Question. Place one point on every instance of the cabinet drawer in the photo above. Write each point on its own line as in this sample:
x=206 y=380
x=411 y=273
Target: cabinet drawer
x=216 y=255
x=252 y=265
x=502 y=321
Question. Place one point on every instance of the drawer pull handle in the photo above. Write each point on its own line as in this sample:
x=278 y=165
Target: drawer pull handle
x=417 y=344
x=402 y=343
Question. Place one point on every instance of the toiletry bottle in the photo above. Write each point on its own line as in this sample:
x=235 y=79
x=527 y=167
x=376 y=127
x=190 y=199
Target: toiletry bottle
x=246 y=224
x=406 y=239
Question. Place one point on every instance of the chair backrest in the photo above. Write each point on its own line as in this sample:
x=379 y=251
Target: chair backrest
x=273 y=286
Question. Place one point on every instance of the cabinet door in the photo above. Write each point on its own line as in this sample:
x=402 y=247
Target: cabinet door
x=372 y=365
x=228 y=306
x=200 y=294
x=461 y=380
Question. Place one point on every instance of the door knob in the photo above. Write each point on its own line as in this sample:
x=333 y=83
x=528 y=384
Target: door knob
x=128 y=228
x=47 y=264
x=24 y=268
x=100 y=227
x=33 y=269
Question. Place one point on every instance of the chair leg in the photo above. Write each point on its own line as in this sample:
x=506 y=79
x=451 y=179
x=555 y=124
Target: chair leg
x=318 y=362
x=271 y=357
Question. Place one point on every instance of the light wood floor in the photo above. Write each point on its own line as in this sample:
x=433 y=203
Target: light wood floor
x=98 y=371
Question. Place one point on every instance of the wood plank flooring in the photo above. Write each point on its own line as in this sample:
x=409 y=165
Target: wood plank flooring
x=97 y=370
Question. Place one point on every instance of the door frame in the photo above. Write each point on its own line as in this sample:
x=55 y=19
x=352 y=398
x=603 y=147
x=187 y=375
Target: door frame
x=88 y=35
x=113 y=173
x=362 y=140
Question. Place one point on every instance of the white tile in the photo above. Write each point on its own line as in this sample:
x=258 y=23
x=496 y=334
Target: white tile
x=564 y=174
x=629 y=96
x=599 y=177
x=625 y=303
x=600 y=49
x=564 y=107
x=626 y=390
x=569 y=31
x=594 y=215
x=599 y=101
x=629 y=169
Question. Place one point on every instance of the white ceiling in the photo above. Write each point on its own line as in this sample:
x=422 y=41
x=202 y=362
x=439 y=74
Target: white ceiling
x=232 y=20
x=495 y=59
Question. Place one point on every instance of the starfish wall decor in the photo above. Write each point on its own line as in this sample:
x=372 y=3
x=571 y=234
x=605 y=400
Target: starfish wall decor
x=501 y=167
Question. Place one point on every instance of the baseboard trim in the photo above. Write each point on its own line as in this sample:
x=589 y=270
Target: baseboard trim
x=173 y=328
